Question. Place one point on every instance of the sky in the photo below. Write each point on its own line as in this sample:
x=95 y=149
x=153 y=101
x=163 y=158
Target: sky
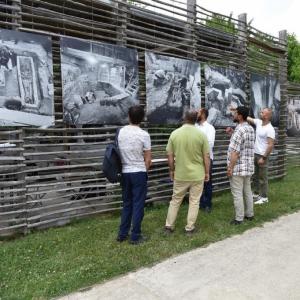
x=270 y=16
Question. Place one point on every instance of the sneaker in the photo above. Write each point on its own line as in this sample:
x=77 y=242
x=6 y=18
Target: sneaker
x=121 y=239
x=168 y=230
x=190 y=232
x=140 y=240
x=261 y=200
x=236 y=222
x=255 y=196
x=207 y=210
x=249 y=218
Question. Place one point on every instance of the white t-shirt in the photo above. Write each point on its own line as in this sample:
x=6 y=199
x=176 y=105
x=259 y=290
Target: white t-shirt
x=210 y=133
x=133 y=141
x=262 y=135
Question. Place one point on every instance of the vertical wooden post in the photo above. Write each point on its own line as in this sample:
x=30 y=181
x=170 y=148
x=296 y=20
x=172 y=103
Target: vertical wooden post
x=16 y=16
x=242 y=46
x=21 y=175
x=191 y=10
x=242 y=26
x=283 y=99
x=121 y=9
x=190 y=28
x=191 y=31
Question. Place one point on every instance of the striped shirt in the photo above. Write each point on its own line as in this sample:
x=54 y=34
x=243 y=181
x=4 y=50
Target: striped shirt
x=242 y=141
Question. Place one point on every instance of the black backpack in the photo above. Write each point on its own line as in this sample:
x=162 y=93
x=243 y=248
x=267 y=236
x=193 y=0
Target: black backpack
x=112 y=166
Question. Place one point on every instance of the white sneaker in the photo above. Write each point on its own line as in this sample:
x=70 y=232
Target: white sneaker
x=261 y=200
x=255 y=196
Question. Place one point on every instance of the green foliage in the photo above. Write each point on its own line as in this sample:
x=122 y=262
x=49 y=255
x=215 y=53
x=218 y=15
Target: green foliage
x=221 y=23
x=133 y=2
x=57 y=261
x=293 y=58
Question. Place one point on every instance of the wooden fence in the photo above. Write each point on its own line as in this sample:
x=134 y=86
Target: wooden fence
x=52 y=176
x=293 y=142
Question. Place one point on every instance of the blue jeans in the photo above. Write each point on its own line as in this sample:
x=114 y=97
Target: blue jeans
x=134 y=191
x=205 y=199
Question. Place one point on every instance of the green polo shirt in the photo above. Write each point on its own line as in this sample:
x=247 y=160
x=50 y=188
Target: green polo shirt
x=189 y=146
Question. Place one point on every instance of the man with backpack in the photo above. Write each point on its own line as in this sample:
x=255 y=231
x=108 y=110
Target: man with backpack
x=135 y=151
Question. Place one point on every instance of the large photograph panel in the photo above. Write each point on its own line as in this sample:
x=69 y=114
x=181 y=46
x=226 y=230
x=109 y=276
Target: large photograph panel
x=265 y=92
x=26 y=79
x=100 y=82
x=224 y=88
x=173 y=86
x=293 y=122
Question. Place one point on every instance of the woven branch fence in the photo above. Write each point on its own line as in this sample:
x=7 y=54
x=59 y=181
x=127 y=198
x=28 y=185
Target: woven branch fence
x=54 y=175
x=293 y=142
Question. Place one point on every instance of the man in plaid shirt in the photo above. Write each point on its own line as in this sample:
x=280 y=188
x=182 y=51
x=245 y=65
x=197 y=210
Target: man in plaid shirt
x=240 y=166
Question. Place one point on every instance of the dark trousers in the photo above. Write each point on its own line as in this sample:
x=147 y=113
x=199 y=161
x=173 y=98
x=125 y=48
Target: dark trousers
x=134 y=191
x=260 y=177
x=205 y=199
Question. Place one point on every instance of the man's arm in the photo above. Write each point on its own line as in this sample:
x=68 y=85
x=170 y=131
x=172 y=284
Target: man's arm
x=234 y=156
x=250 y=121
x=206 y=160
x=269 y=149
x=171 y=163
x=148 y=159
x=206 y=157
x=211 y=138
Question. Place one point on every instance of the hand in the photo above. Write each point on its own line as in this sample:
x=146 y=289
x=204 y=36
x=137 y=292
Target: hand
x=171 y=175
x=229 y=172
x=206 y=177
x=261 y=161
x=229 y=130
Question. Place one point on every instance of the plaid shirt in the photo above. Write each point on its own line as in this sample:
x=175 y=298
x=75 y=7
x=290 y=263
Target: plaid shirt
x=242 y=141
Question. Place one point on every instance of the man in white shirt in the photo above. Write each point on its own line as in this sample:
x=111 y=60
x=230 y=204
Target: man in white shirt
x=135 y=151
x=264 y=143
x=210 y=133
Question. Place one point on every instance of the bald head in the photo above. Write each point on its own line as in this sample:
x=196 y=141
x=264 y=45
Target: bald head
x=266 y=114
x=190 y=117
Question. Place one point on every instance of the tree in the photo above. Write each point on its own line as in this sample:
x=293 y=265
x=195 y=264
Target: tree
x=293 y=58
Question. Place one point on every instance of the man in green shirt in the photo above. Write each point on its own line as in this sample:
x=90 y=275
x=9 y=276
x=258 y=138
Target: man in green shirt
x=188 y=159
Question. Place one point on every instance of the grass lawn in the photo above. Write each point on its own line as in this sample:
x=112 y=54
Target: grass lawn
x=58 y=261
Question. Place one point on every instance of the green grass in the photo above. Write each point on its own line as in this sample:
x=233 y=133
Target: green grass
x=58 y=261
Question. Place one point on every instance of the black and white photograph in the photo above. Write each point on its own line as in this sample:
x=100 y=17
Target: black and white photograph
x=100 y=82
x=265 y=92
x=173 y=86
x=224 y=89
x=26 y=79
x=293 y=121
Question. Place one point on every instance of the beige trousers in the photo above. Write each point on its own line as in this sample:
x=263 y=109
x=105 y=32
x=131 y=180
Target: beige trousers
x=241 y=192
x=179 y=190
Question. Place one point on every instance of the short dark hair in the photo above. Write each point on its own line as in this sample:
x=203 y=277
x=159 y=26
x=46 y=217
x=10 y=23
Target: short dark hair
x=191 y=116
x=205 y=111
x=243 y=111
x=136 y=114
